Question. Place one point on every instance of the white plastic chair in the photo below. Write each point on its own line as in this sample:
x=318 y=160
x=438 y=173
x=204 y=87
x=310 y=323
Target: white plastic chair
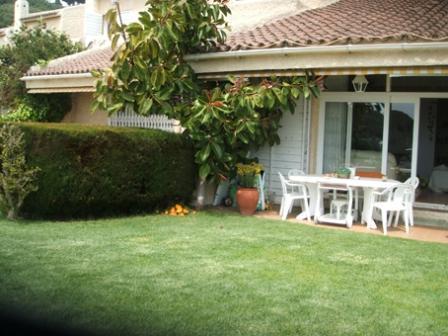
x=291 y=192
x=413 y=182
x=295 y=172
x=395 y=200
x=342 y=206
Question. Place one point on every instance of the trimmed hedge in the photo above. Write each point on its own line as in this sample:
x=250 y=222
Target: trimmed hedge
x=90 y=171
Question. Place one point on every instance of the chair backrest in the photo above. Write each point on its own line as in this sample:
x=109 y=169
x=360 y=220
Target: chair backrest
x=336 y=190
x=294 y=187
x=296 y=172
x=283 y=183
x=413 y=181
x=403 y=193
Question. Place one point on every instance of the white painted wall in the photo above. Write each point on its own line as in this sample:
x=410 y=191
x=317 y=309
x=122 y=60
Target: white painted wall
x=289 y=154
x=93 y=26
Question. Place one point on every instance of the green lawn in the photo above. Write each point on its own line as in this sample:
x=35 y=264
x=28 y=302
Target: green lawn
x=221 y=274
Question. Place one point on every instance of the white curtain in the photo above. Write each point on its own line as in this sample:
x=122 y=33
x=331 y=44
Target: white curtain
x=335 y=136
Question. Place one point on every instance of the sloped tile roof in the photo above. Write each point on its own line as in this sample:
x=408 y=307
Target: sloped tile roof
x=83 y=62
x=350 y=21
x=343 y=22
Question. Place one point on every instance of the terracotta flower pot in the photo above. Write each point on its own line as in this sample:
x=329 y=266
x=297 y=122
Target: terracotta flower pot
x=247 y=199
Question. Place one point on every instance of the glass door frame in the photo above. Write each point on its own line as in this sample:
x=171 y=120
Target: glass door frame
x=370 y=97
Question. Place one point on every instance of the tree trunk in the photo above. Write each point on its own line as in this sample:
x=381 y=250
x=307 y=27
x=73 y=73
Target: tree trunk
x=12 y=214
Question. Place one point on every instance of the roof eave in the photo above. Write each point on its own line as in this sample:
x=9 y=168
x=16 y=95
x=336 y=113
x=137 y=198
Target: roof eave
x=60 y=83
x=347 y=48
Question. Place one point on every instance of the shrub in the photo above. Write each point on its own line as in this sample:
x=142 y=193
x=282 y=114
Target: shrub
x=41 y=107
x=28 y=47
x=17 y=179
x=89 y=171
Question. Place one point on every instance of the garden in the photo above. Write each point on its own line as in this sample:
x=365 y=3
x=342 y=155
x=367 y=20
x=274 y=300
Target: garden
x=97 y=234
x=217 y=273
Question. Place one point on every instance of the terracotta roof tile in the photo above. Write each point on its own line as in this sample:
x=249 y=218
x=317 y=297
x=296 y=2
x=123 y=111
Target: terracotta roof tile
x=350 y=21
x=343 y=22
x=83 y=62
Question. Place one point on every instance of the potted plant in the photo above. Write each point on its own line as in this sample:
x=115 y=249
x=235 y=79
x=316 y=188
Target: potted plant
x=247 y=194
x=343 y=172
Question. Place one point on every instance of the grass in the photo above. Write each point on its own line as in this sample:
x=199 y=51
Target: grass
x=222 y=274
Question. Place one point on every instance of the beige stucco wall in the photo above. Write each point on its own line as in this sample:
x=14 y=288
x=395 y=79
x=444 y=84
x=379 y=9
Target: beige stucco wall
x=82 y=112
x=125 y=5
x=72 y=22
x=51 y=23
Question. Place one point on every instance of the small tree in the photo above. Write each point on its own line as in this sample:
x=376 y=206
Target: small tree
x=17 y=180
x=28 y=47
x=149 y=75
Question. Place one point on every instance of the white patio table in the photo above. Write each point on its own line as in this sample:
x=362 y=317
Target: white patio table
x=369 y=185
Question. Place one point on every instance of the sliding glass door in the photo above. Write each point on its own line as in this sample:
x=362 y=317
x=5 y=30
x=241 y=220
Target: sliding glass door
x=367 y=136
x=353 y=135
x=378 y=135
x=401 y=139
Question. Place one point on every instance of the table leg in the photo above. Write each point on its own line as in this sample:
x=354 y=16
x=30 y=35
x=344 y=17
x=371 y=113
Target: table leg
x=367 y=209
x=312 y=189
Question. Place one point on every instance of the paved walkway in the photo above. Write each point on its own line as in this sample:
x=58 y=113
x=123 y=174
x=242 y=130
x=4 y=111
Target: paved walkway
x=416 y=232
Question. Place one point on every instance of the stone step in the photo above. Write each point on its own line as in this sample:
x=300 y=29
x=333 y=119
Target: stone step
x=431 y=218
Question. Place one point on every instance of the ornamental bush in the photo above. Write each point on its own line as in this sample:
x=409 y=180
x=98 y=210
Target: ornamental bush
x=39 y=107
x=93 y=171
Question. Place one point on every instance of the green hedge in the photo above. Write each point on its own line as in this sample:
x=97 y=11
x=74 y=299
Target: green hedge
x=90 y=171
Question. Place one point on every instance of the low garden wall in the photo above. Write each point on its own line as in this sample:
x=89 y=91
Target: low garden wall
x=89 y=171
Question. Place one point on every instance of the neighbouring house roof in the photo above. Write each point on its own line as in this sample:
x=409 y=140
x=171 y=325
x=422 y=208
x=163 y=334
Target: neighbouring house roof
x=350 y=22
x=41 y=15
x=82 y=62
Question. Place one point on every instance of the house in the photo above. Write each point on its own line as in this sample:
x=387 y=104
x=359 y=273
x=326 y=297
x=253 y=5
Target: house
x=79 y=22
x=82 y=23
x=385 y=101
x=72 y=73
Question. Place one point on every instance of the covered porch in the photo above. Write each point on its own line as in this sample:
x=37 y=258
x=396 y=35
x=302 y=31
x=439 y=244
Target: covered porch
x=396 y=128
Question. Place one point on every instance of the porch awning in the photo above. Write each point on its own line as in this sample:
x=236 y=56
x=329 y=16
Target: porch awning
x=393 y=71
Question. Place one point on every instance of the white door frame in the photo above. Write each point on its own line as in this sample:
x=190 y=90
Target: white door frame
x=376 y=97
x=349 y=98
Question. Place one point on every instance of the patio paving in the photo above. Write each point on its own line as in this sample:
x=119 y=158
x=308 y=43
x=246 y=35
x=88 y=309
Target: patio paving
x=416 y=233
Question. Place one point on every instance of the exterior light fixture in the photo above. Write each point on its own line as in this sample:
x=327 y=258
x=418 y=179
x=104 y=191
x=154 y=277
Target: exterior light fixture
x=360 y=83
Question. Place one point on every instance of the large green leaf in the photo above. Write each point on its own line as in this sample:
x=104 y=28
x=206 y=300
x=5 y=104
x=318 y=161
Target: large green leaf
x=204 y=171
x=146 y=106
x=204 y=153
x=217 y=150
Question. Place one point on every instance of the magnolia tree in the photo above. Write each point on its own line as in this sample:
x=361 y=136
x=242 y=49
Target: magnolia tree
x=149 y=75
